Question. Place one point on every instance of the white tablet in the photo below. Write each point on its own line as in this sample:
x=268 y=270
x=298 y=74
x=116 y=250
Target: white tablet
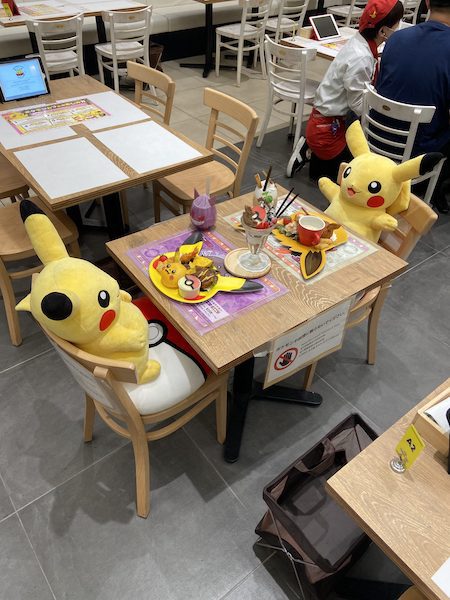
x=325 y=27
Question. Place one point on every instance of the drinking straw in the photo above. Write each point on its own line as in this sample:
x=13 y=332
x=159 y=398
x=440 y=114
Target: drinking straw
x=280 y=210
x=258 y=180
x=287 y=206
x=269 y=172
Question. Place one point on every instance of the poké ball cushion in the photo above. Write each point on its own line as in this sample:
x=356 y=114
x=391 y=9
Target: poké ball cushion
x=183 y=370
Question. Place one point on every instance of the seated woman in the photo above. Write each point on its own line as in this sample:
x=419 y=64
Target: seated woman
x=341 y=90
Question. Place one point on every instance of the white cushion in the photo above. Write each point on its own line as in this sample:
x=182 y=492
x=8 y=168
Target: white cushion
x=123 y=49
x=235 y=30
x=179 y=378
x=60 y=58
x=286 y=23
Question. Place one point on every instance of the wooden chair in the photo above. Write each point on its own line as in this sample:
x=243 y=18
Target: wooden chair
x=15 y=245
x=179 y=187
x=130 y=40
x=291 y=14
x=246 y=36
x=126 y=407
x=12 y=184
x=288 y=84
x=161 y=107
x=395 y=139
x=412 y=593
x=413 y=223
x=60 y=44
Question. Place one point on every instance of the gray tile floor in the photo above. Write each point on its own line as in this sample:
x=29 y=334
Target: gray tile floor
x=68 y=528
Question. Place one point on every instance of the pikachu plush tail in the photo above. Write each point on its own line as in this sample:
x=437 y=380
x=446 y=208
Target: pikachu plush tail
x=43 y=235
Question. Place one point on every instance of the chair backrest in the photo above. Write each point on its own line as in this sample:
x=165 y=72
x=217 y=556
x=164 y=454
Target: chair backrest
x=391 y=128
x=287 y=68
x=255 y=13
x=58 y=37
x=412 y=8
x=221 y=104
x=100 y=378
x=295 y=10
x=130 y=26
x=413 y=223
x=157 y=81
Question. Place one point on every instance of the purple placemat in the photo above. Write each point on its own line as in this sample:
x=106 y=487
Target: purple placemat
x=223 y=307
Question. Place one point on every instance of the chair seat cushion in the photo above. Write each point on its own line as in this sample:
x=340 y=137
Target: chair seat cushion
x=123 y=49
x=234 y=31
x=291 y=91
x=60 y=58
x=182 y=184
x=342 y=11
x=182 y=370
x=286 y=23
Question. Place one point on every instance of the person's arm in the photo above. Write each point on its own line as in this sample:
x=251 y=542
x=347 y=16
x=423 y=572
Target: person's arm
x=356 y=76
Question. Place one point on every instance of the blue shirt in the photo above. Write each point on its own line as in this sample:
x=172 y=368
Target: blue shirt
x=415 y=69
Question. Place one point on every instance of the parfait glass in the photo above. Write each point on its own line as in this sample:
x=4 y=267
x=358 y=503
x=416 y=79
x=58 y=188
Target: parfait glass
x=255 y=260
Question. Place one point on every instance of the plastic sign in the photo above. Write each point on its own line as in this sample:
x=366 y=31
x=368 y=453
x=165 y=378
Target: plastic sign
x=410 y=447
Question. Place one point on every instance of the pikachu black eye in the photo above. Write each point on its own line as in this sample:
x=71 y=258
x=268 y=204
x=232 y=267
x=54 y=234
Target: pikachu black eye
x=347 y=172
x=374 y=187
x=103 y=298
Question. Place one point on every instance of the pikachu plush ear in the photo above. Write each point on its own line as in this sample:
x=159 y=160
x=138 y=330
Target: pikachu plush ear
x=43 y=235
x=356 y=140
x=416 y=166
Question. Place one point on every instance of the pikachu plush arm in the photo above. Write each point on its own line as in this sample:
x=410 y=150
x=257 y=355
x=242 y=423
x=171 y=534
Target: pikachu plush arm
x=328 y=188
x=120 y=339
x=384 y=222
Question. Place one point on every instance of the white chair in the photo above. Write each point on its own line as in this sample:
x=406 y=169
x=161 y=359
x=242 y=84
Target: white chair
x=412 y=8
x=396 y=140
x=347 y=14
x=246 y=36
x=130 y=40
x=286 y=70
x=60 y=44
x=291 y=15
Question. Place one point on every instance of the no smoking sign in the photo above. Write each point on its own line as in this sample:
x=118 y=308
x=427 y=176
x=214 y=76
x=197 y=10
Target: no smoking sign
x=285 y=359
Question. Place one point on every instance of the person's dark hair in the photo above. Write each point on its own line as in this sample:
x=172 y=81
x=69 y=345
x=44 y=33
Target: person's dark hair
x=440 y=5
x=395 y=15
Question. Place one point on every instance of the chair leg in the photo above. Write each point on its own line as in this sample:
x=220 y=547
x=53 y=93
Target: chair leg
x=240 y=58
x=221 y=412
x=157 y=201
x=217 y=54
x=261 y=57
x=309 y=375
x=372 y=326
x=100 y=68
x=9 y=300
x=142 y=465
x=89 y=416
x=265 y=123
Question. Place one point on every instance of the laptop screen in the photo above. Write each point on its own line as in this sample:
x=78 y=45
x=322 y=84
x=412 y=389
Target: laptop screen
x=21 y=79
x=324 y=27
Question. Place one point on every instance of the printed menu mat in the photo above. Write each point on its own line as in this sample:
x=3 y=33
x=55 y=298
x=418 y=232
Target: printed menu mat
x=224 y=307
x=353 y=250
x=48 y=116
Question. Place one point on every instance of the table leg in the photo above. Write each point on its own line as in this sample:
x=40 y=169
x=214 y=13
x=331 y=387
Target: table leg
x=244 y=390
x=113 y=214
x=102 y=39
x=209 y=44
x=33 y=42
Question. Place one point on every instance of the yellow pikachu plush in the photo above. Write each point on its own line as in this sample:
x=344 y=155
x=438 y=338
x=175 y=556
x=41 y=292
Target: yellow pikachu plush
x=373 y=187
x=81 y=303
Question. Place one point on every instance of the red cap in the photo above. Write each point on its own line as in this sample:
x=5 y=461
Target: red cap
x=374 y=12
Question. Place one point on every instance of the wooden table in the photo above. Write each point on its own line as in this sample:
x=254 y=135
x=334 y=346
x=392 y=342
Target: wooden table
x=407 y=515
x=232 y=344
x=324 y=49
x=71 y=87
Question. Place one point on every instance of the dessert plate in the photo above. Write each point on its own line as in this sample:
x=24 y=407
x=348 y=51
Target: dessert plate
x=233 y=285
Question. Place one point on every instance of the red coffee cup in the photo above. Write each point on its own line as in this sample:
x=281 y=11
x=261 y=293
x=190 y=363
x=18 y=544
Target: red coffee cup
x=309 y=229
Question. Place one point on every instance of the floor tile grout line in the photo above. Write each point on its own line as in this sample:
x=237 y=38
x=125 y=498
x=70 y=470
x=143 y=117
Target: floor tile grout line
x=70 y=478
x=208 y=460
x=23 y=362
x=239 y=583
x=36 y=557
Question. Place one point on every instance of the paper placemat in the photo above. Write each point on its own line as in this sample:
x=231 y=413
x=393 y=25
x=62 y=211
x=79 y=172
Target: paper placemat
x=224 y=307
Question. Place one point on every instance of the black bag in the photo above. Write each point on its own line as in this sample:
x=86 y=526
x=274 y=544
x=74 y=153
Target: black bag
x=319 y=537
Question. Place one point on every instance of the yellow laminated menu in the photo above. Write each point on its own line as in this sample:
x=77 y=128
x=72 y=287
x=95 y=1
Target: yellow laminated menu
x=410 y=447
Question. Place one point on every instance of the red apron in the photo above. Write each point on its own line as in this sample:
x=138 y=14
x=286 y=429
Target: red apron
x=325 y=135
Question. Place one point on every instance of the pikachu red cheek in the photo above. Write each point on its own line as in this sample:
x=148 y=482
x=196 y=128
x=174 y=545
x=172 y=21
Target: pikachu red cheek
x=375 y=201
x=106 y=320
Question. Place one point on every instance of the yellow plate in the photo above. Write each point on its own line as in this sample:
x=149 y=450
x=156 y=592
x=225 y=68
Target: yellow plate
x=295 y=246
